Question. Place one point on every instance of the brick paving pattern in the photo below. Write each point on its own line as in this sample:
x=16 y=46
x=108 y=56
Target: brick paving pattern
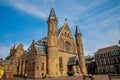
x=96 y=77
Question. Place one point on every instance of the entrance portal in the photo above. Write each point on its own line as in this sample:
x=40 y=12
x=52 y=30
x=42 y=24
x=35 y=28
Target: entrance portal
x=70 y=70
x=73 y=66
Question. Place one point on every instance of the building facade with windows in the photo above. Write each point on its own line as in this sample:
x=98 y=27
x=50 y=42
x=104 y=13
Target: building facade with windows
x=57 y=54
x=108 y=60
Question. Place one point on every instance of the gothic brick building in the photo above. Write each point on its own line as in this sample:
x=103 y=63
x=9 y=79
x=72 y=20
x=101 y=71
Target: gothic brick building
x=57 y=54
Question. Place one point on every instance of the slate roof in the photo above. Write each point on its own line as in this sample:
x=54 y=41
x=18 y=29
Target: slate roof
x=41 y=46
x=59 y=30
x=52 y=14
x=40 y=50
x=110 y=48
x=77 y=30
x=72 y=60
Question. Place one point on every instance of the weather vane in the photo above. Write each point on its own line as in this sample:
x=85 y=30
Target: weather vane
x=76 y=19
x=52 y=3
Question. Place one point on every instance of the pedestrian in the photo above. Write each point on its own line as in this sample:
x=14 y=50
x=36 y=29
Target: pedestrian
x=25 y=76
x=90 y=75
x=4 y=75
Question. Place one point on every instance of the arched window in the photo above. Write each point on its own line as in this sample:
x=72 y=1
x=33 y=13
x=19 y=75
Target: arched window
x=67 y=46
x=61 y=64
x=42 y=68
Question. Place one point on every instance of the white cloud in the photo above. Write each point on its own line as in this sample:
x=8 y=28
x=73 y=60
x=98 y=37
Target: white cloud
x=99 y=29
x=26 y=46
x=4 y=51
x=27 y=7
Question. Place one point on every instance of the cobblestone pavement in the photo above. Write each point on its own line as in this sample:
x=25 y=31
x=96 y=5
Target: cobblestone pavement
x=96 y=77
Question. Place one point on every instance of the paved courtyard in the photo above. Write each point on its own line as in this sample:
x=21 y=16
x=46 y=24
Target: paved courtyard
x=96 y=77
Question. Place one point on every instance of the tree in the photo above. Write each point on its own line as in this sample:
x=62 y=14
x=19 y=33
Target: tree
x=7 y=58
x=1 y=58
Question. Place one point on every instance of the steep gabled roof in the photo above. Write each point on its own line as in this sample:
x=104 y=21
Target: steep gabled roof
x=52 y=14
x=40 y=50
x=62 y=29
x=39 y=46
x=59 y=30
x=77 y=30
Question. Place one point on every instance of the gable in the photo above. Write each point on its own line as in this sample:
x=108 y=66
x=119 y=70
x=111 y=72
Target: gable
x=65 y=31
x=65 y=39
x=32 y=49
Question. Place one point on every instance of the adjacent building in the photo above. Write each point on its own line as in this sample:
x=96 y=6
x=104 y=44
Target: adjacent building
x=1 y=68
x=108 y=60
x=56 y=54
x=16 y=53
x=91 y=64
x=8 y=68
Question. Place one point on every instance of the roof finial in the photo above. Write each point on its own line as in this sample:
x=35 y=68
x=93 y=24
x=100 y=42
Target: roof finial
x=77 y=28
x=52 y=3
x=65 y=19
x=76 y=20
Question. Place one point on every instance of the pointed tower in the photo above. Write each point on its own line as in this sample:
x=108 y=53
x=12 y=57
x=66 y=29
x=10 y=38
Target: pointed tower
x=12 y=50
x=52 y=44
x=80 y=51
x=19 y=50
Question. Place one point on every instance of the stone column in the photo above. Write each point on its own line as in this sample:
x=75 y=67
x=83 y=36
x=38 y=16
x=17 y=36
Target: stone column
x=23 y=71
x=19 y=73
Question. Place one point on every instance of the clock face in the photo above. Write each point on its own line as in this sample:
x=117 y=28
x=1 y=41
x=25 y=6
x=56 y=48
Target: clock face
x=67 y=46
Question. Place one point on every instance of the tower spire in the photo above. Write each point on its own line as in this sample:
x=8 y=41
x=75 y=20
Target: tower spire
x=77 y=30
x=80 y=51
x=52 y=14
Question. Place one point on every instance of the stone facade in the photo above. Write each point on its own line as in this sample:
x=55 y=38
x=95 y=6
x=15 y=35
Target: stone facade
x=58 y=54
x=1 y=68
x=15 y=54
x=8 y=68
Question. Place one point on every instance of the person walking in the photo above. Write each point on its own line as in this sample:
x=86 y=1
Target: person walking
x=25 y=76
x=4 y=76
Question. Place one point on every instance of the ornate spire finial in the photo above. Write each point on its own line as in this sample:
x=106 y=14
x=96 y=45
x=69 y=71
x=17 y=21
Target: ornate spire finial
x=76 y=19
x=52 y=13
x=65 y=19
x=52 y=3
x=77 y=28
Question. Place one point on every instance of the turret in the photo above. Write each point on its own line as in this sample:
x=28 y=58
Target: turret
x=52 y=44
x=78 y=36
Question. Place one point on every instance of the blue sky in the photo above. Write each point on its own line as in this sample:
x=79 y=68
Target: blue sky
x=21 y=21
